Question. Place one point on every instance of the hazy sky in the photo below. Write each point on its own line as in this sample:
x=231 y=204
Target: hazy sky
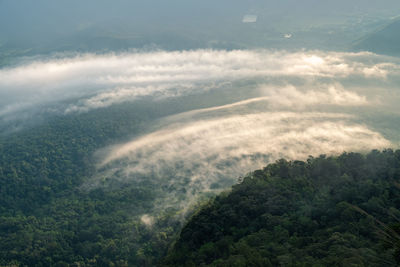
x=39 y=22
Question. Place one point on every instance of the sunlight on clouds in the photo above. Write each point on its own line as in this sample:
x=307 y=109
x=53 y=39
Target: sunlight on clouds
x=314 y=60
x=289 y=135
x=331 y=94
x=103 y=80
x=202 y=153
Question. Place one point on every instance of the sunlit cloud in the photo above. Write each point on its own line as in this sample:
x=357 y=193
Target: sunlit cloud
x=102 y=80
x=208 y=152
x=331 y=94
x=292 y=135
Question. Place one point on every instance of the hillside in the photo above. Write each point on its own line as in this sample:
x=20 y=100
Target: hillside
x=328 y=211
x=47 y=217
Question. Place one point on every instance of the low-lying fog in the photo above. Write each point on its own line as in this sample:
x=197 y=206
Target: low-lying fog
x=278 y=104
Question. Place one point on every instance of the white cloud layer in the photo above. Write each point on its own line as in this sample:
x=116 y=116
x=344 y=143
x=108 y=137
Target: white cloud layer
x=332 y=94
x=113 y=78
x=281 y=134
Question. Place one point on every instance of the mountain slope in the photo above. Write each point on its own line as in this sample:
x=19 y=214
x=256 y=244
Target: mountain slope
x=324 y=212
x=47 y=217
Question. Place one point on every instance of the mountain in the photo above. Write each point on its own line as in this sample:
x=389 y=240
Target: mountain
x=41 y=27
x=327 y=211
x=383 y=41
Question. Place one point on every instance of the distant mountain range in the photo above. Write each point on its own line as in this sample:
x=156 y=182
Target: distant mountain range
x=383 y=41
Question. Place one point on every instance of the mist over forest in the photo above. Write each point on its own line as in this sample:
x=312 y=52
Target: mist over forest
x=133 y=114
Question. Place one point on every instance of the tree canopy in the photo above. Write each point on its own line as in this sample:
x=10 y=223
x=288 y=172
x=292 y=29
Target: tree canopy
x=327 y=211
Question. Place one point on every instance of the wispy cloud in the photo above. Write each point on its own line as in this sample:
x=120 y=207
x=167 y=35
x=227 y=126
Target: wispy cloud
x=198 y=154
x=113 y=78
x=275 y=134
x=326 y=94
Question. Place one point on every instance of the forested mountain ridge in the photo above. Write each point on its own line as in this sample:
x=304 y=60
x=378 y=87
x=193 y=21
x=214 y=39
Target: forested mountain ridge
x=327 y=211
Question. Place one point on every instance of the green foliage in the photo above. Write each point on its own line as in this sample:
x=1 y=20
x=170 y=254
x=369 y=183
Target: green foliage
x=328 y=211
x=47 y=216
x=51 y=215
x=290 y=213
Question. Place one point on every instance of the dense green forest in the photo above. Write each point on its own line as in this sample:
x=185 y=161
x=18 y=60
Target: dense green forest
x=327 y=211
x=50 y=215
x=47 y=218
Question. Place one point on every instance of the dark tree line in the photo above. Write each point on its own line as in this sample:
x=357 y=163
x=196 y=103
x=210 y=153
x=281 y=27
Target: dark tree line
x=327 y=211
